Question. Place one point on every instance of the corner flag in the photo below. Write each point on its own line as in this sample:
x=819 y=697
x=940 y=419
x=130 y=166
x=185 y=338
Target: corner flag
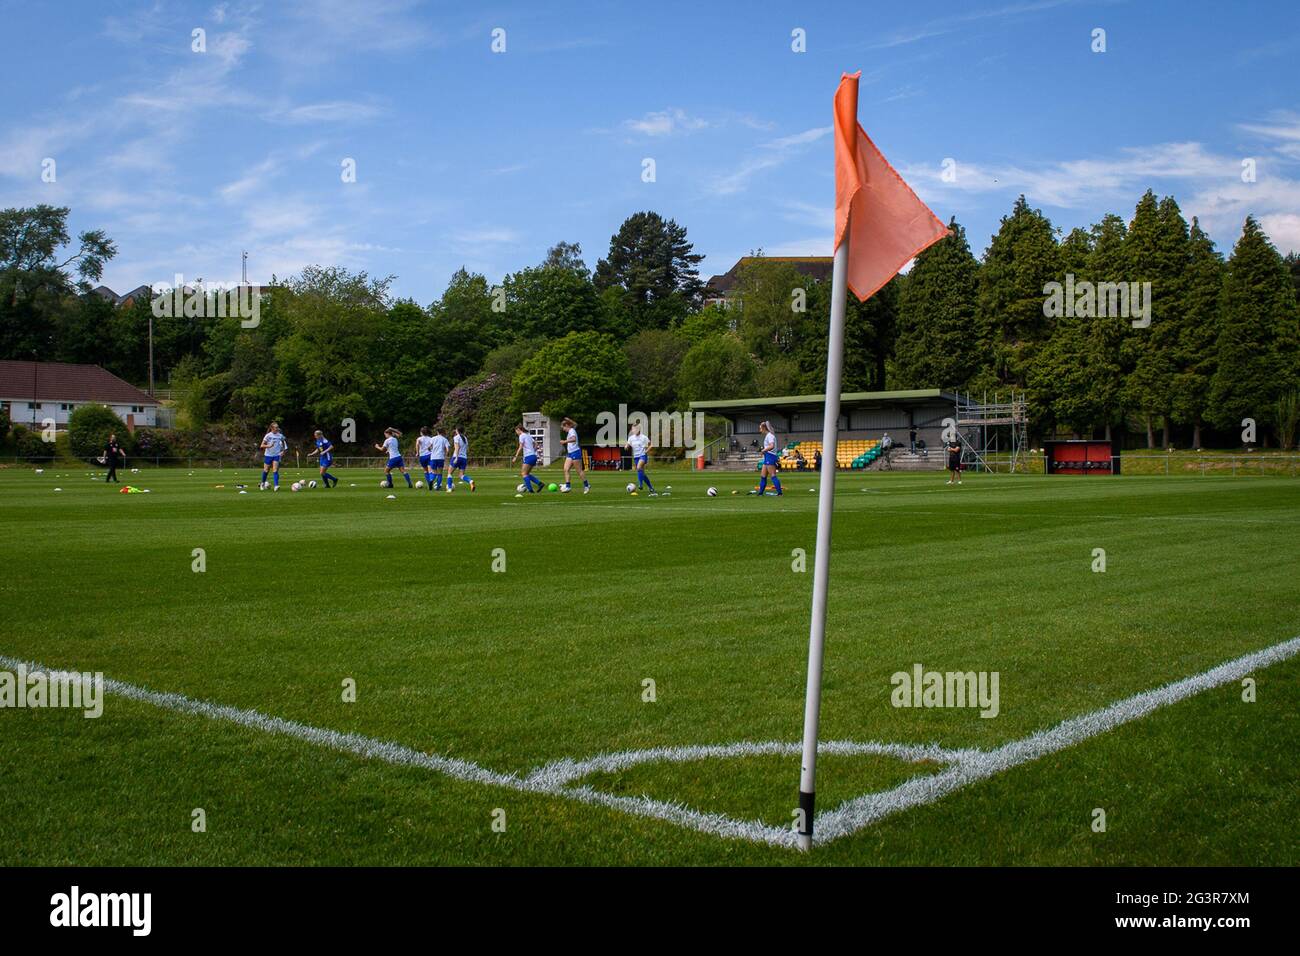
x=879 y=226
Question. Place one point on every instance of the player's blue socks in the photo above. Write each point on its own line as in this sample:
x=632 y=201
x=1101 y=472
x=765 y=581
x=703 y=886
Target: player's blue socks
x=276 y=478
x=529 y=480
x=776 y=483
x=264 y=473
x=326 y=477
x=642 y=476
x=407 y=476
x=762 y=485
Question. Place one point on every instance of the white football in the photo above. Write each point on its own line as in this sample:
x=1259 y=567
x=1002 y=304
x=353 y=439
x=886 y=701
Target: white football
x=712 y=492
x=382 y=483
x=520 y=487
x=419 y=484
x=296 y=486
x=312 y=483
x=631 y=487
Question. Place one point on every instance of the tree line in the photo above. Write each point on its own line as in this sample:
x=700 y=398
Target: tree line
x=1222 y=345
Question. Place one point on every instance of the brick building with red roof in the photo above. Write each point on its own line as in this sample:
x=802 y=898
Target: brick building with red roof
x=32 y=392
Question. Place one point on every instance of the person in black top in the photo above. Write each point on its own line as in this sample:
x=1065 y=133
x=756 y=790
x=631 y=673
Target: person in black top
x=112 y=452
x=954 y=461
x=817 y=460
x=911 y=438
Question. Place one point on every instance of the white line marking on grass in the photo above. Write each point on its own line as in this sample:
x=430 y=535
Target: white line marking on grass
x=560 y=778
x=973 y=765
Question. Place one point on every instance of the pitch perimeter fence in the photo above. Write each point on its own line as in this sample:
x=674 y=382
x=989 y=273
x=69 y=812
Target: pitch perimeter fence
x=1245 y=465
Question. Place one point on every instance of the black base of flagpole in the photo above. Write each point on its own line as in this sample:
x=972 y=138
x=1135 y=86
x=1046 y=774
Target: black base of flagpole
x=806 y=801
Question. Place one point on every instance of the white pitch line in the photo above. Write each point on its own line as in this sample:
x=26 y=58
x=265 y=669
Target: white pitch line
x=557 y=778
x=973 y=765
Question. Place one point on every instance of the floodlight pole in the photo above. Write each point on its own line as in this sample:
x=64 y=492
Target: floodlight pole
x=822 y=560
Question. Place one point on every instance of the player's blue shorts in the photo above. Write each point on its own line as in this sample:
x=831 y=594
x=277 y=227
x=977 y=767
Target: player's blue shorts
x=270 y=459
x=770 y=458
x=424 y=461
x=396 y=462
x=530 y=459
x=436 y=464
x=640 y=460
x=460 y=463
x=576 y=455
x=326 y=460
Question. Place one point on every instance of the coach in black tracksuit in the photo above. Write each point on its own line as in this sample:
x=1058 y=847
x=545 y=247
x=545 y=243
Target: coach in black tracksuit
x=112 y=452
x=954 y=461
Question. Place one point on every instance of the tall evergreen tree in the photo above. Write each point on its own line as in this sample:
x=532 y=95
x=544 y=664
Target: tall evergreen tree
x=1158 y=252
x=939 y=344
x=1077 y=375
x=1198 y=332
x=1022 y=258
x=1259 y=338
x=655 y=265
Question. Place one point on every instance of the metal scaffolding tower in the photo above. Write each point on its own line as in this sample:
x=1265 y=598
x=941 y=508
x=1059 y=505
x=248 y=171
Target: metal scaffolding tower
x=990 y=430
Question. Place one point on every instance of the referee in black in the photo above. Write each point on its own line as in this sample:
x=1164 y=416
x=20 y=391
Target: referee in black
x=112 y=451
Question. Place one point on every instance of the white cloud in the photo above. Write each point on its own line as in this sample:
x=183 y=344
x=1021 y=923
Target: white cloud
x=799 y=139
x=774 y=153
x=945 y=25
x=487 y=236
x=1284 y=229
x=334 y=111
x=665 y=123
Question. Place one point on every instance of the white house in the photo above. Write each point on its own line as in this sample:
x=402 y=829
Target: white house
x=33 y=392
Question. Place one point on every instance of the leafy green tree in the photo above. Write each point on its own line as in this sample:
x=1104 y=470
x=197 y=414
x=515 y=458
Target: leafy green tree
x=709 y=321
x=37 y=269
x=654 y=357
x=410 y=370
x=83 y=331
x=764 y=303
x=506 y=359
x=655 y=265
x=566 y=255
x=939 y=345
x=89 y=427
x=1259 y=336
x=580 y=375
x=327 y=362
x=716 y=368
x=550 y=302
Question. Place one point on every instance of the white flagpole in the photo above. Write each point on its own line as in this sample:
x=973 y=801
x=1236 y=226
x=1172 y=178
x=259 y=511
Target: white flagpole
x=822 y=561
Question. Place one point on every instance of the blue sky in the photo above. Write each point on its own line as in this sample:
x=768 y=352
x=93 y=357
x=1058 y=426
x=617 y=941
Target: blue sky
x=469 y=157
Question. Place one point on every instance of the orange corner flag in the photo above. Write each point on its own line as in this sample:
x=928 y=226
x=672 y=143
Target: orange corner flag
x=886 y=224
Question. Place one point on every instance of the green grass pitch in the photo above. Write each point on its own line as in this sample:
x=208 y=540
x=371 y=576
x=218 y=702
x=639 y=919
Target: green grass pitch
x=600 y=593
